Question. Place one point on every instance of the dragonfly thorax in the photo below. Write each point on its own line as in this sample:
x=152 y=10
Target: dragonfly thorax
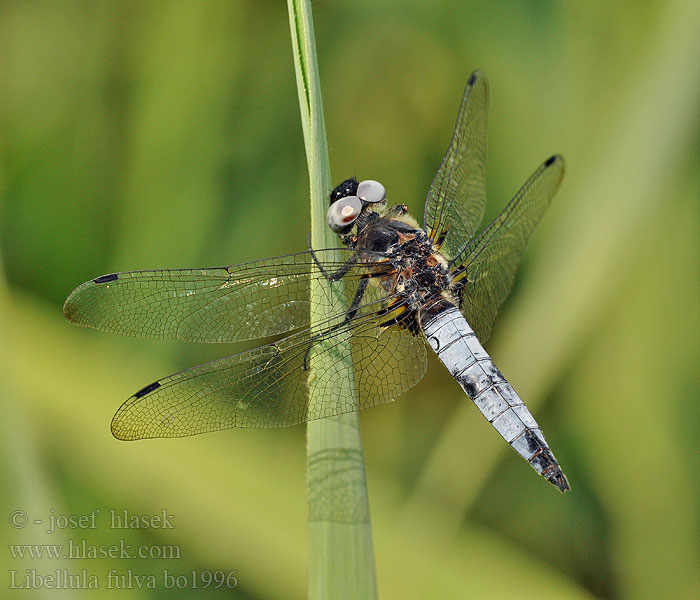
x=422 y=273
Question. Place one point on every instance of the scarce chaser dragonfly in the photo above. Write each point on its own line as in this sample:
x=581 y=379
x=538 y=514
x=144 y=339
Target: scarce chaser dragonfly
x=392 y=286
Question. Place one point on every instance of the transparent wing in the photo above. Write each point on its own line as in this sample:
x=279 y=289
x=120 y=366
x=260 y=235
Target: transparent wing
x=489 y=261
x=270 y=386
x=227 y=304
x=457 y=197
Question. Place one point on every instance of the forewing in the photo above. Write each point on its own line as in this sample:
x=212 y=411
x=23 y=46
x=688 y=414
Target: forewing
x=270 y=386
x=457 y=197
x=490 y=260
x=227 y=304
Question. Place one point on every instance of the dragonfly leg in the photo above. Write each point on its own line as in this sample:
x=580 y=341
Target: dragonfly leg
x=352 y=311
x=337 y=275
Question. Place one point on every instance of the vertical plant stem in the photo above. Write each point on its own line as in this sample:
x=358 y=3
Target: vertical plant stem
x=341 y=558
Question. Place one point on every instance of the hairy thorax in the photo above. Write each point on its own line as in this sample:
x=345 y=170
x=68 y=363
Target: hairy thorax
x=422 y=273
x=419 y=279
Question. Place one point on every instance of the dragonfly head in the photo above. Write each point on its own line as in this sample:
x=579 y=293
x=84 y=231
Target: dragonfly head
x=346 y=188
x=351 y=199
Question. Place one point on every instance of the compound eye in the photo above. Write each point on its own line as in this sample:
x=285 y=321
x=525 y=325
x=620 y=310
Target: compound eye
x=371 y=191
x=343 y=213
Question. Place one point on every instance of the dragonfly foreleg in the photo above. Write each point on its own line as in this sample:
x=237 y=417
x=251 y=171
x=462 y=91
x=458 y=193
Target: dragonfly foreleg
x=337 y=275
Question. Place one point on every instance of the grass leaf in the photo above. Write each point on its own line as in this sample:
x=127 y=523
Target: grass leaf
x=341 y=558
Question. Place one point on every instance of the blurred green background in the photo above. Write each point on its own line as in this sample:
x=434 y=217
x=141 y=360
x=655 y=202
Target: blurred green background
x=163 y=135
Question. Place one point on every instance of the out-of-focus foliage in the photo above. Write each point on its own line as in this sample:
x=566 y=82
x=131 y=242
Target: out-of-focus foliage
x=144 y=135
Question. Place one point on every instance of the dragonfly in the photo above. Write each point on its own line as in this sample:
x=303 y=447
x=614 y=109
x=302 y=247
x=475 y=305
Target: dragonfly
x=353 y=322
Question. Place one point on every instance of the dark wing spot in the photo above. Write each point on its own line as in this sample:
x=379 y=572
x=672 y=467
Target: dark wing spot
x=147 y=390
x=549 y=161
x=472 y=78
x=106 y=278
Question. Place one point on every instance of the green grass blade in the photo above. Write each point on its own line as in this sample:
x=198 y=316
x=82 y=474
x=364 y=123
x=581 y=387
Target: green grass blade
x=341 y=558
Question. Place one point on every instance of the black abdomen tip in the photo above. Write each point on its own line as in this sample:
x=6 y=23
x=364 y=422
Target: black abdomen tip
x=559 y=481
x=106 y=278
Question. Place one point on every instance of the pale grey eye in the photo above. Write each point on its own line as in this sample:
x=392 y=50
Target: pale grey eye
x=343 y=213
x=371 y=191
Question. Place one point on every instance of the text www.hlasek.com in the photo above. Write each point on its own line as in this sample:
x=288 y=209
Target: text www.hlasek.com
x=82 y=550
x=77 y=548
